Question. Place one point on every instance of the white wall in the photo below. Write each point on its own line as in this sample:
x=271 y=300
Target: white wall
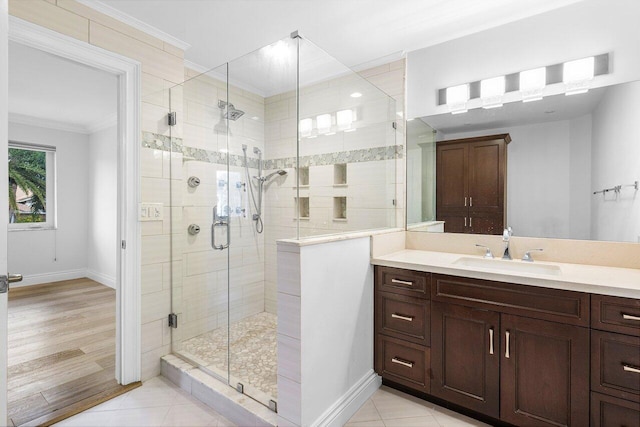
x=616 y=161
x=51 y=255
x=102 y=210
x=545 y=198
x=590 y=27
x=325 y=332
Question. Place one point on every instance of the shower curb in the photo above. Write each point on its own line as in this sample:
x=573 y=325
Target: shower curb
x=236 y=407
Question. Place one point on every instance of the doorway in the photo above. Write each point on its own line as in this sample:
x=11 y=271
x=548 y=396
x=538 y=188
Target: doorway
x=126 y=363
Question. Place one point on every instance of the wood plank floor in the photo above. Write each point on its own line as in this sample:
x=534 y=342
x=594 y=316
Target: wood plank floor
x=61 y=348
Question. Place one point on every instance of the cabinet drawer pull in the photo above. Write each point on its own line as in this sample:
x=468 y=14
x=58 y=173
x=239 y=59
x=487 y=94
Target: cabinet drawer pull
x=465 y=202
x=401 y=317
x=629 y=368
x=402 y=362
x=465 y=221
x=490 y=340
x=401 y=282
x=471 y=201
x=630 y=317
x=506 y=351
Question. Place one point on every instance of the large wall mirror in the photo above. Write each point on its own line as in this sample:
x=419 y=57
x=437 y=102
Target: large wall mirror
x=572 y=163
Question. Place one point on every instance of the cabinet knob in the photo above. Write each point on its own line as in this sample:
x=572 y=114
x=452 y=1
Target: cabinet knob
x=490 y=340
x=401 y=317
x=401 y=282
x=402 y=362
x=506 y=350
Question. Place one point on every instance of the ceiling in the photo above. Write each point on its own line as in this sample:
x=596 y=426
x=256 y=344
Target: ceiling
x=49 y=91
x=359 y=33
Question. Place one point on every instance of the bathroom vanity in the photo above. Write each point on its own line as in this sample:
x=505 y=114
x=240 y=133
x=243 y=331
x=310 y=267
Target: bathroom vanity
x=529 y=344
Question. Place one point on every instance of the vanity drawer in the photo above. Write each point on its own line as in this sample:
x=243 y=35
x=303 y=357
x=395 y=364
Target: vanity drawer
x=607 y=411
x=405 y=282
x=403 y=362
x=615 y=365
x=403 y=317
x=615 y=314
x=554 y=305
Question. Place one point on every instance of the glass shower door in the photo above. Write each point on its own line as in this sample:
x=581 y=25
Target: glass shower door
x=261 y=130
x=200 y=236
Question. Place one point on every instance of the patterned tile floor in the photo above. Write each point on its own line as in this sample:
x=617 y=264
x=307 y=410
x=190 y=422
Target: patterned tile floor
x=253 y=354
x=157 y=403
x=392 y=408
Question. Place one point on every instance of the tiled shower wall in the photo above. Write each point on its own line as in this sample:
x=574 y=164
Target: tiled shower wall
x=162 y=67
x=202 y=298
x=374 y=184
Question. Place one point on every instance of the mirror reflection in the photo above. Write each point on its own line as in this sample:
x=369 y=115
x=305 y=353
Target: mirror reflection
x=560 y=155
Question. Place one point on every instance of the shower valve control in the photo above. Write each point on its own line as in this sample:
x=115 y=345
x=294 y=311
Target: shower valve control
x=193 y=181
x=194 y=229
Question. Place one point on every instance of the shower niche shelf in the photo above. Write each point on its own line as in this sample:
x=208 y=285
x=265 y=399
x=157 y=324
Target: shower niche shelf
x=303 y=174
x=303 y=208
x=340 y=175
x=340 y=209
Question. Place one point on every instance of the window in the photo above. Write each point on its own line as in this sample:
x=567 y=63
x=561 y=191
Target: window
x=31 y=186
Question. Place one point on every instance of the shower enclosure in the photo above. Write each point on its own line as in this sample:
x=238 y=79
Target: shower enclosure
x=284 y=142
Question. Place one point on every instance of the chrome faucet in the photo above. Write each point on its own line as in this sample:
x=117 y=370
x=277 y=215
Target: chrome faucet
x=506 y=236
x=527 y=255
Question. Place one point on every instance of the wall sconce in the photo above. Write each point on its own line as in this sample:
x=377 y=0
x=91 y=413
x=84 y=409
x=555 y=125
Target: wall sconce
x=492 y=91
x=306 y=127
x=577 y=74
x=532 y=83
x=323 y=121
x=457 y=97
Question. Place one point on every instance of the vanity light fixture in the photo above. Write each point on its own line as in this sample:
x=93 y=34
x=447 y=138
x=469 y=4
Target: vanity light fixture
x=577 y=74
x=532 y=83
x=492 y=91
x=323 y=121
x=457 y=97
x=306 y=127
x=344 y=118
x=356 y=95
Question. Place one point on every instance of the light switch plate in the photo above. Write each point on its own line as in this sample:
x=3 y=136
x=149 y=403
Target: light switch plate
x=151 y=212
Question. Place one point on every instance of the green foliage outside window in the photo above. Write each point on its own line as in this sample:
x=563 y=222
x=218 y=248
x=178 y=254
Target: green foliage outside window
x=28 y=172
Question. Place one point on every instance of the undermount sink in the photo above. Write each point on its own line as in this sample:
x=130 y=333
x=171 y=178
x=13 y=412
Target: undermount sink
x=509 y=266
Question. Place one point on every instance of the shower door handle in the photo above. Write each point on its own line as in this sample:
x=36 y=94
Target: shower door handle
x=219 y=221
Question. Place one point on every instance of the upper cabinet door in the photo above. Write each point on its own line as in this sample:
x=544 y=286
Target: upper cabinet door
x=451 y=176
x=487 y=167
x=544 y=373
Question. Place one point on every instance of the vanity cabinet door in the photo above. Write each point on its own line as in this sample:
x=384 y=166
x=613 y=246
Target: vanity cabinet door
x=464 y=358
x=487 y=167
x=544 y=373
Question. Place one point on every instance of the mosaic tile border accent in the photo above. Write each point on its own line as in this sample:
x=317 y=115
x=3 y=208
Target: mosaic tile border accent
x=166 y=143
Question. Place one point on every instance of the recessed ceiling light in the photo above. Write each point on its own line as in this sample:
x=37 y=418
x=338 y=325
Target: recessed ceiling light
x=356 y=95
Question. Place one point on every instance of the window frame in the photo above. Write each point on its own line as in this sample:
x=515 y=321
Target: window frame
x=51 y=187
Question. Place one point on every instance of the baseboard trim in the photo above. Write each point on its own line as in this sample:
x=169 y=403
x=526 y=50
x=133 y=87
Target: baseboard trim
x=37 y=279
x=344 y=408
x=101 y=278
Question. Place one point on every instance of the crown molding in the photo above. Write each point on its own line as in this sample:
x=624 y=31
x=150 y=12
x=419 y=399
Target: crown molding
x=196 y=67
x=23 y=119
x=110 y=120
x=135 y=23
x=213 y=72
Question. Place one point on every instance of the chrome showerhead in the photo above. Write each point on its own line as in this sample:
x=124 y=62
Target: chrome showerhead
x=232 y=112
x=268 y=177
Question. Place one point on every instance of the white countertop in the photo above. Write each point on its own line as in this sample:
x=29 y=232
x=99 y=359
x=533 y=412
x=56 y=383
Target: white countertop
x=623 y=282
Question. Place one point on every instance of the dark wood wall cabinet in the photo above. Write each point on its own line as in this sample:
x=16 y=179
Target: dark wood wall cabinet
x=524 y=355
x=471 y=184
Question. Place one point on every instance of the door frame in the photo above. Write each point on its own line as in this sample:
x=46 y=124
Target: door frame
x=128 y=72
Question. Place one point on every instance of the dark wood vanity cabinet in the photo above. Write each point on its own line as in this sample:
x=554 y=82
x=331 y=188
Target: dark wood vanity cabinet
x=515 y=353
x=403 y=327
x=465 y=357
x=471 y=184
x=615 y=361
